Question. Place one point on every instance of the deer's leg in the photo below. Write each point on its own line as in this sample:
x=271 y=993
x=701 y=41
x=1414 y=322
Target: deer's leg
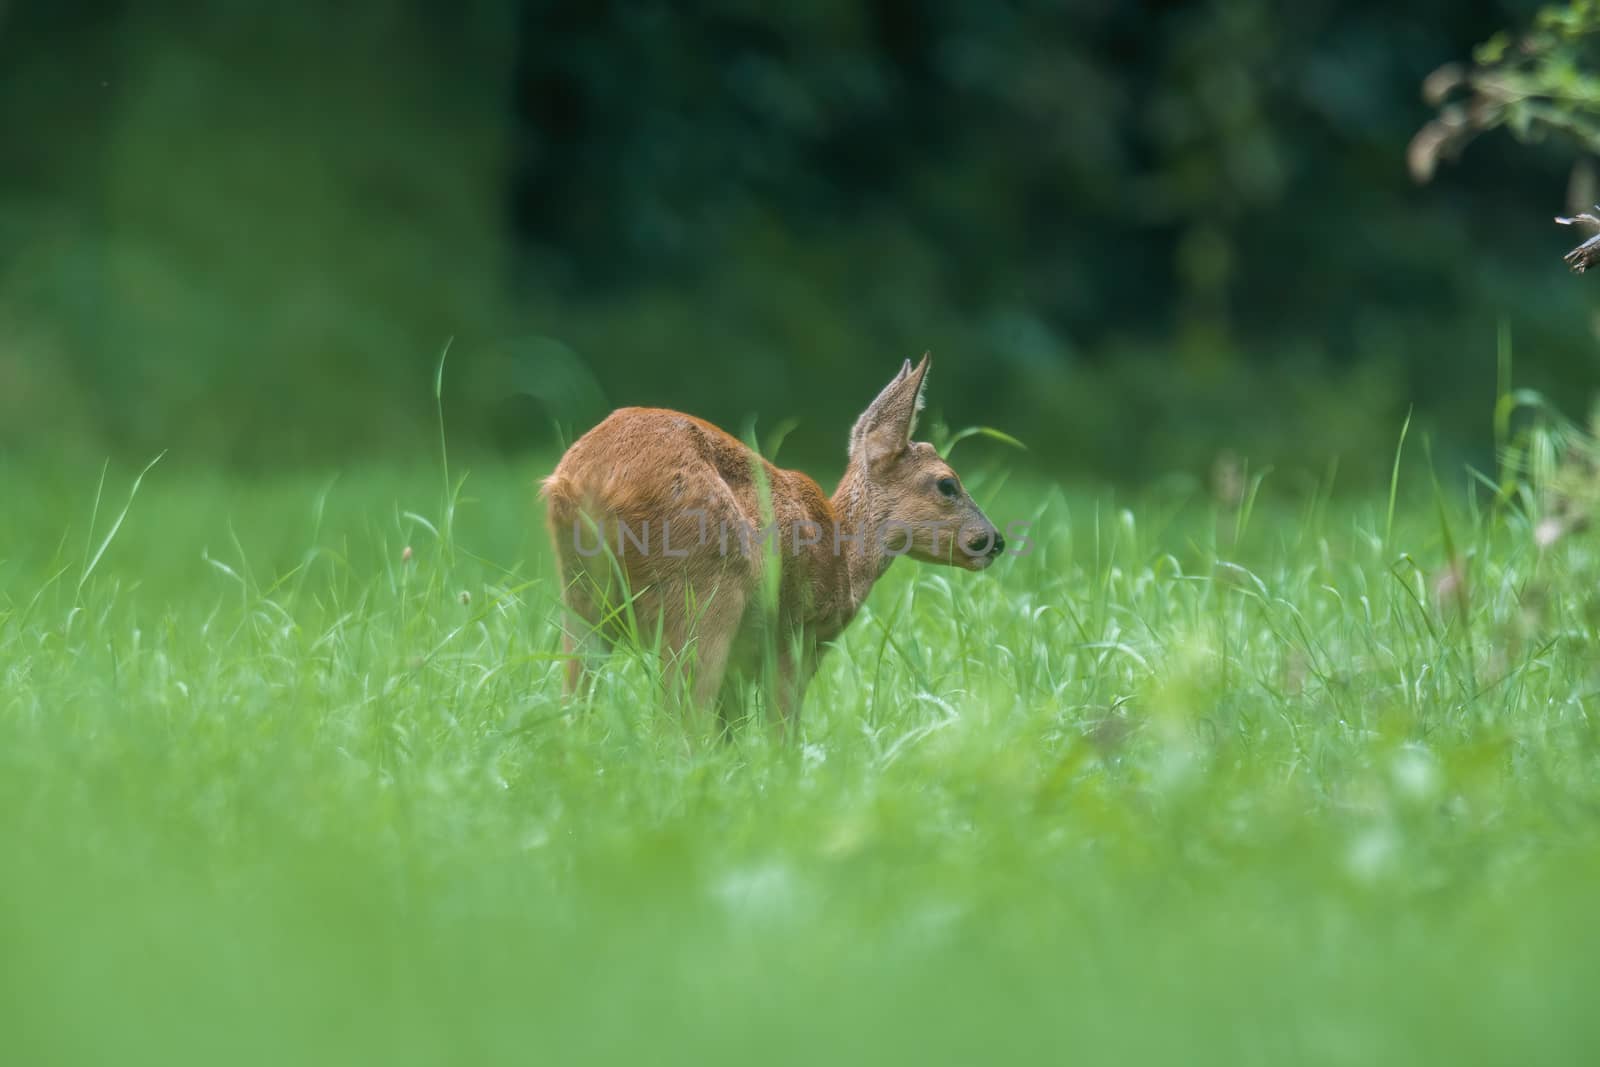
x=695 y=651
x=731 y=709
x=797 y=662
x=711 y=666
x=581 y=639
x=582 y=649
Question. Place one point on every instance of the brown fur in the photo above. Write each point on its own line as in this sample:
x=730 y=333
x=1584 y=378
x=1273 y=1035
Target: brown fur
x=656 y=470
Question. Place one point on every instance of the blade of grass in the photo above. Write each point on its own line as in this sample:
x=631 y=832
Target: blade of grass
x=88 y=567
x=1394 y=483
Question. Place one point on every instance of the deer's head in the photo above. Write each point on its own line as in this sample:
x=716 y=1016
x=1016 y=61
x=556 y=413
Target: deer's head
x=918 y=504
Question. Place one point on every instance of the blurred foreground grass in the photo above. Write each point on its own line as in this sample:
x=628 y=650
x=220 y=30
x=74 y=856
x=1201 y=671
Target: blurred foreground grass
x=1268 y=782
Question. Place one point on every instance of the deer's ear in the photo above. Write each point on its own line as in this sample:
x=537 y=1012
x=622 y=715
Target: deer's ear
x=884 y=429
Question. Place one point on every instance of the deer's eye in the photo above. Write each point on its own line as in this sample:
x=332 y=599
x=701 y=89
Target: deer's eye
x=948 y=488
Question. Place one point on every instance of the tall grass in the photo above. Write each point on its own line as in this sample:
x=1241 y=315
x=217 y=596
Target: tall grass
x=1185 y=783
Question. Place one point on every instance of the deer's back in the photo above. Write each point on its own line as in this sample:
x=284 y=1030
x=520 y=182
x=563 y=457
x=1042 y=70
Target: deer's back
x=646 y=463
x=651 y=467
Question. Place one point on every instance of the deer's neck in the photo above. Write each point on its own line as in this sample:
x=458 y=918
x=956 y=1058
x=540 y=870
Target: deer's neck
x=860 y=517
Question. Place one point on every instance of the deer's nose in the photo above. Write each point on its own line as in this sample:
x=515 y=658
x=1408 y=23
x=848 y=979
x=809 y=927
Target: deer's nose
x=986 y=543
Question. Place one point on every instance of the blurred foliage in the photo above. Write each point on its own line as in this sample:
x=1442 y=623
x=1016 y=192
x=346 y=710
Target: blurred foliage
x=1133 y=235
x=1537 y=84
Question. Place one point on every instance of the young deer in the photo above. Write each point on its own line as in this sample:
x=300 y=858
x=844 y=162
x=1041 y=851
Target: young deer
x=663 y=519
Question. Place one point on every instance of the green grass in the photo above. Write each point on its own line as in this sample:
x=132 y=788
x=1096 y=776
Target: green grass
x=1188 y=783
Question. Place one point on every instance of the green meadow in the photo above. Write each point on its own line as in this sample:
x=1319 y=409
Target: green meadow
x=1265 y=772
x=1273 y=740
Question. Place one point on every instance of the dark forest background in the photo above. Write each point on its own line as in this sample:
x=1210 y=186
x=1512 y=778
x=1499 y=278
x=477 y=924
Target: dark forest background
x=1132 y=234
